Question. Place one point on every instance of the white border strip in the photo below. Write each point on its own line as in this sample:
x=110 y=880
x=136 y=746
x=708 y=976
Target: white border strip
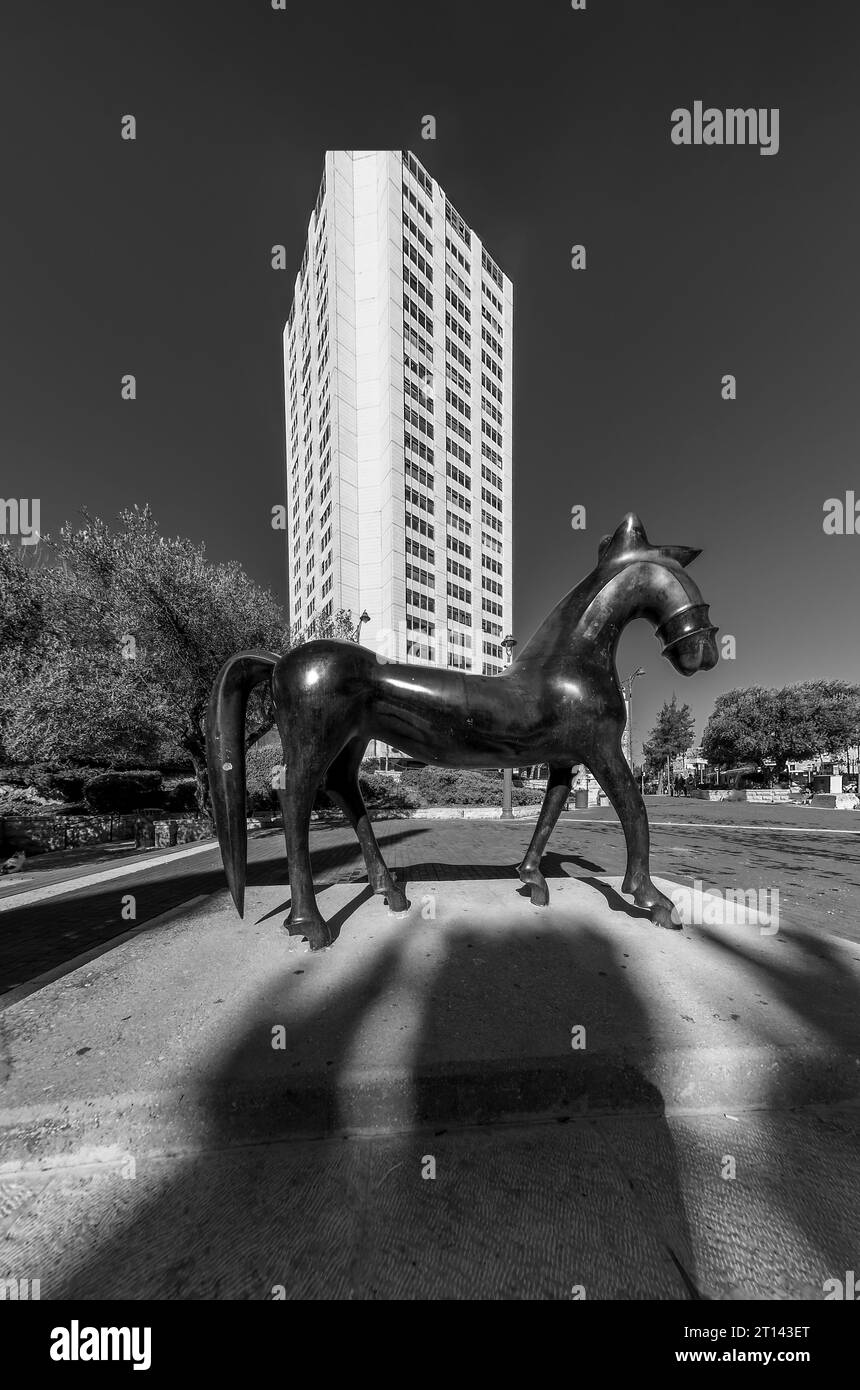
x=71 y=885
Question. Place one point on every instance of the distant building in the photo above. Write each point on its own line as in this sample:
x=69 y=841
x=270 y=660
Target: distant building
x=398 y=367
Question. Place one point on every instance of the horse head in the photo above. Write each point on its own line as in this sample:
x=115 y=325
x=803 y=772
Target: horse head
x=663 y=592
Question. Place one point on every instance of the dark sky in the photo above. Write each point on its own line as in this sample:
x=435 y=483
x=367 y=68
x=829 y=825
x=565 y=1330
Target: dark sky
x=553 y=128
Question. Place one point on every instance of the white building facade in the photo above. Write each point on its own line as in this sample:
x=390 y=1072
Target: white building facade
x=398 y=358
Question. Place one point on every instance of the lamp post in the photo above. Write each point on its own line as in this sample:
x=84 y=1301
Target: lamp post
x=508 y=643
x=627 y=691
x=365 y=618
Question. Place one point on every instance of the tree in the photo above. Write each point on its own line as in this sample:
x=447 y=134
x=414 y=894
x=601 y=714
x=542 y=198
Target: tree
x=837 y=717
x=124 y=644
x=766 y=727
x=671 y=736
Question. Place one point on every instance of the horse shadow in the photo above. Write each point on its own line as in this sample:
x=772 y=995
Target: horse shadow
x=518 y=1210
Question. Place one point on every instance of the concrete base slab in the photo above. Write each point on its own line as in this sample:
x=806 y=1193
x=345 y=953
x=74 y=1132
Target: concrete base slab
x=208 y=1032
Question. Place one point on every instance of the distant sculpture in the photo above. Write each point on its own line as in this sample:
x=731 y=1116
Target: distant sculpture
x=558 y=703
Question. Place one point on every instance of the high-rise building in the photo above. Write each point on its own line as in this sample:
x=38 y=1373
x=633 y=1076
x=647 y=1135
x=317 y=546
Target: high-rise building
x=398 y=375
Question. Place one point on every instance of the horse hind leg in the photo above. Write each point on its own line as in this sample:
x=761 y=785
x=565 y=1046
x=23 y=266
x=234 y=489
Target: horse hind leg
x=342 y=786
x=305 y=918
x=557 y=792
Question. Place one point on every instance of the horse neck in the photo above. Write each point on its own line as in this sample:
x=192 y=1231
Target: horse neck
x=595 y=613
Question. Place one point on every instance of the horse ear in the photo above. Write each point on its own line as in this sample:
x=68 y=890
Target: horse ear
x=682 y=554
x=629 y=537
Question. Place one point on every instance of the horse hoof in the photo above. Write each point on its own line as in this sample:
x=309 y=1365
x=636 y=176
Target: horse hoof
x=312 y=930
x=667 y=917
x=535 y=881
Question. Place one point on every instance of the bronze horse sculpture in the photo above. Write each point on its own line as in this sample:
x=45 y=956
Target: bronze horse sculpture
x=558 y=703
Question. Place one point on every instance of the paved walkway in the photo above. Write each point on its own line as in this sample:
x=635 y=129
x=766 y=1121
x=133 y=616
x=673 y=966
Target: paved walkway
x=817 y=871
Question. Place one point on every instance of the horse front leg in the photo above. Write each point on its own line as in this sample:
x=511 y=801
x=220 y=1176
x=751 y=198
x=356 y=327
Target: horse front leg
x=612 y=771
x=555 y=797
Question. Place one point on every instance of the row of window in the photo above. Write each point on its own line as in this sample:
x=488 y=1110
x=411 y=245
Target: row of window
x=420 y=576
x=492 y=269
x=491 y=497
x=455 y=251
x=418 y=447
x=456 y=302
x=421 y=475
x=419 y=316
x=416 y=231
x=492 y=388
x=418 y=422
x=458 y=280
x=493 y=298
x=418 y=173
x=492 y=321
x=418 y=205
x=421 y=551
x=491 y=454
x=491 y=363
x=421 y=344
x=419 y=288
x=490 y=477
x=418 y=499
x=417 y=259
x=458 y=451
x=458 y=592
x=453 y=217
x=458 y=427
x=458 y=355
x=456 y=327
x=492 y=341
x=492 y=410
x=459 y=476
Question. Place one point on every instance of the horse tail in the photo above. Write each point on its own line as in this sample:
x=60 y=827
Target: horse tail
x=225 y=759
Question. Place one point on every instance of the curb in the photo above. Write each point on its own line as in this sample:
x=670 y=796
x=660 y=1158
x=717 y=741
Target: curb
x=71 y=885
x=582 y=1086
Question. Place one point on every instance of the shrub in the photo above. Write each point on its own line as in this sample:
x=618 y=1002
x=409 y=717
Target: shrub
x=181 y=797
x=41 y=776
x=445 y=786
x=68 y=783
x=384 y=793
x=123 y=791
x=13 y=777
x=262 y=760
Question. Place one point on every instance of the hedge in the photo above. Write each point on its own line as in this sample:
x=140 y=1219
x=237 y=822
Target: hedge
x=124 y=791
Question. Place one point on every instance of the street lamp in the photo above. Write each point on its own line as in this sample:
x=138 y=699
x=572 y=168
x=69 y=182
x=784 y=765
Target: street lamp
x=627 y=691
x=365 y=618
x=508 y=643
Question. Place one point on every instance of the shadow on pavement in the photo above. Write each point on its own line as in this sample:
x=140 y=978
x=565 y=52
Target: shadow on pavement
x=513 y=1213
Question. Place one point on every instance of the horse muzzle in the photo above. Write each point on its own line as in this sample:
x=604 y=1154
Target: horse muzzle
x=688 y=640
